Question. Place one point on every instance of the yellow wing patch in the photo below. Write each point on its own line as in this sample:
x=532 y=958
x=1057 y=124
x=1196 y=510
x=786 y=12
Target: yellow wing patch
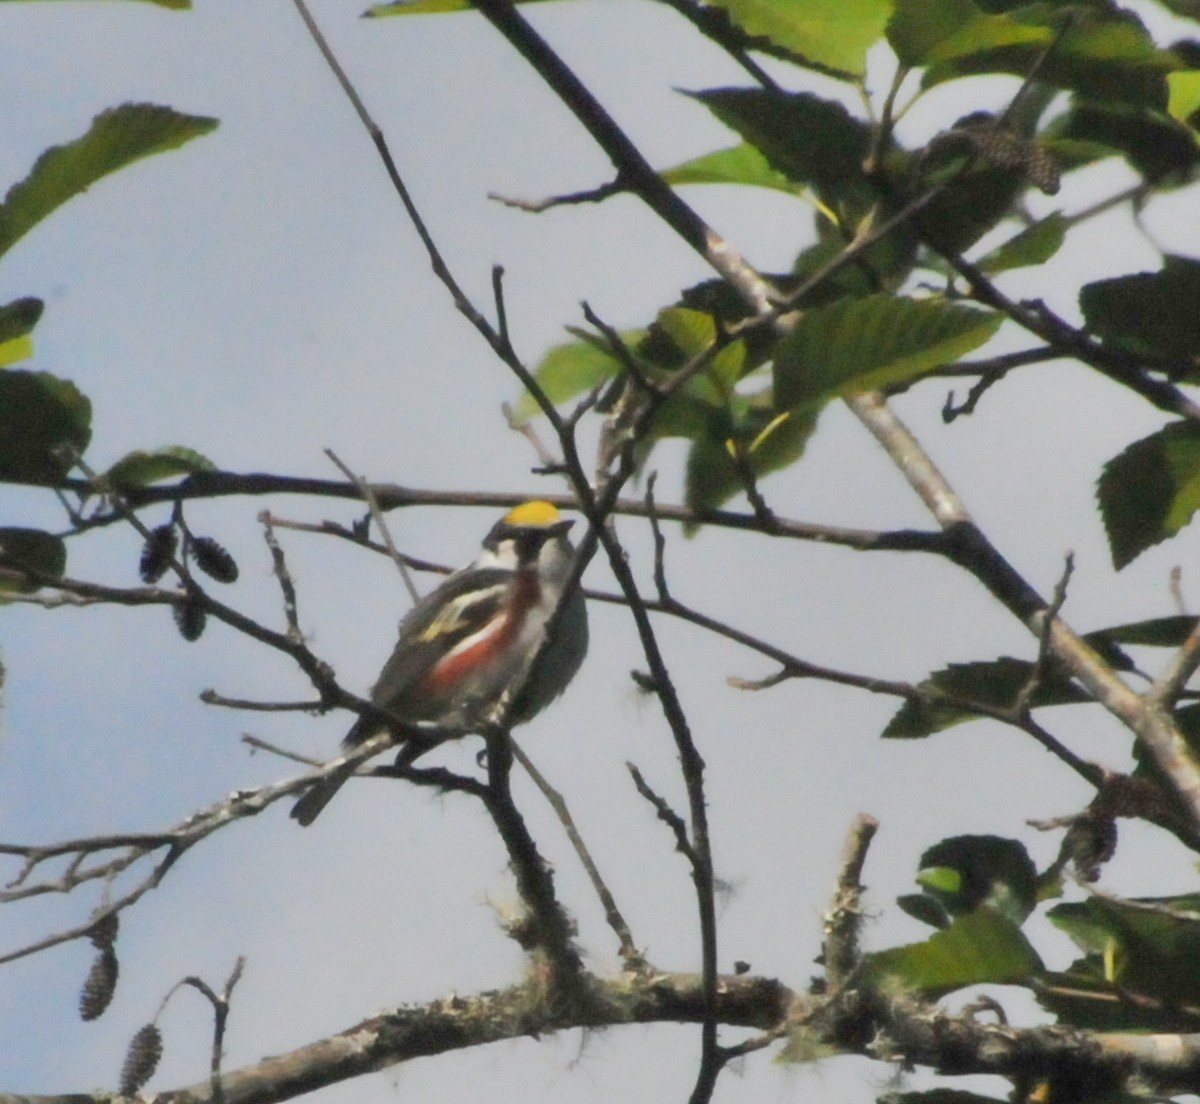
x=468 y=611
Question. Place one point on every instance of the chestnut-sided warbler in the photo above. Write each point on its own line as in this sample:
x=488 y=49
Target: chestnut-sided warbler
x=466 y=647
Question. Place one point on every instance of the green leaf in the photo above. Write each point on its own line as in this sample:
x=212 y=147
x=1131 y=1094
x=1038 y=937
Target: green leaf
x=136 y=469
x=1150 y=140
x=971 y=203
x=17 y=319
x=1106 y=54
x=862 y=344
x=40 y=415
x=830 y=33
x=1189 y=9
x=978 y=947
x=1157 y=632
x=116 y=138
x=426 y=7
x=810 y=140
x=1150 y=313
x=15 y=349
x=1150 y=491
x=691 y=331
x=883 y=266
x=924 y=31
x=1183 y=97
x=925 y=908
x=965 y=873
x=992 y=683
x=743 y=164
x=678 y=336
x=768 y=444
x=1034 y=245
x=29 y=548
x=572 y=369
x=1143 y=948
x=175 y=5
x=940 y=1096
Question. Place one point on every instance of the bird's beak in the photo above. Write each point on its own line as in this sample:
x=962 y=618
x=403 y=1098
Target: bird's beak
x=560 y=527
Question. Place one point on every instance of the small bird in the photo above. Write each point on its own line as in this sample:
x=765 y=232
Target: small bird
x=467 y=645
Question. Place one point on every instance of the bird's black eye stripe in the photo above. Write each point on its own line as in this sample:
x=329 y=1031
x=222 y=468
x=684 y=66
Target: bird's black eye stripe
x=527 y=538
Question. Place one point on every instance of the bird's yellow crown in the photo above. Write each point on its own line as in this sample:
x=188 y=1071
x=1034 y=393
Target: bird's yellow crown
x=536 y=514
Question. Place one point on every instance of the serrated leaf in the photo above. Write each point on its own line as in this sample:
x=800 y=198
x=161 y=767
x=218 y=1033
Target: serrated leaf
x=1189 y=9
x=1141 y=948
x=1157 y=632
x=1150 y=140
x=993 y=683
x=691 y=331
x=928 y=910
x=29 y=548
x=942 y=880
x=1103 y=53
x=15 y=350
x=924 y=31
x=1150 y=491
x=1082 y=998
x=175 y=5
x=137 y=469
x=965 y=873
x=1183 y=97
x=1150 y=313
x=427 y=7
x=116 y=138
x=17 y=319
x=978 y=947
x=886 y=265
x=810 y=140
x=40 y=415
x=742 y=164
x=831 y=33
x=971 y=202
x=862 y=344
x=1034 y=245
x=572 y=369
x=714 y=475
x=942 y=1096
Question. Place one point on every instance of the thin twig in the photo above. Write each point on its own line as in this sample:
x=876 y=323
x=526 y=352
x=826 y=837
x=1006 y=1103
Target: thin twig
x=286 y=584
x=377 y=516
x=1045 y=655
x=537 y=206
x=631 y=956
x=211 y=697
x=666 y=814
x=1182 y=665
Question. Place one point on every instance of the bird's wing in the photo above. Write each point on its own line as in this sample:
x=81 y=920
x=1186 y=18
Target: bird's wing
x=462 y=605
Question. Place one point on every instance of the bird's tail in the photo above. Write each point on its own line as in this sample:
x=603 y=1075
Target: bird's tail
x=309 y=807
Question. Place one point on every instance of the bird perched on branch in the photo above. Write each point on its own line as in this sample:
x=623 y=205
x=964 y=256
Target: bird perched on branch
x=466 y=648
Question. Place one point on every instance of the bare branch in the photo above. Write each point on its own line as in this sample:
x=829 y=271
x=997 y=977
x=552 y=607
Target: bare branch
x=536 y=206
x=666 y=814
x=632 y=957
x=843 y=921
